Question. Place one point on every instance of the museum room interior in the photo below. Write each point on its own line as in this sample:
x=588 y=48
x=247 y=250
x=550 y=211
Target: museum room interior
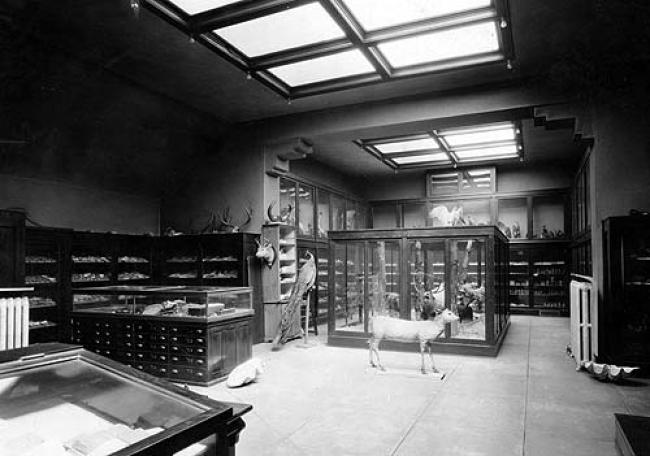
x=211 y=209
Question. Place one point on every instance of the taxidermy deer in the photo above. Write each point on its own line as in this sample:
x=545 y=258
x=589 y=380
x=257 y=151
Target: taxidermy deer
x=266 y=251
x=445 y=217
x=284 y=214
x=424 y=331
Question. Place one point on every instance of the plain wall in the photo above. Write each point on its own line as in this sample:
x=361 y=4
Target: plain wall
x=322 y=174
x=63 y=205
x=231 y=178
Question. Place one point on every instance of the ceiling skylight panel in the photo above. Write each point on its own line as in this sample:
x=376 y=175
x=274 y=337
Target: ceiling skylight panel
x=426 y=158
x=488 y=153
x=377 y=14
x=192 y=7
x=333 y=66
x=407 y=146
x=480 y=137
x=457 y=42
x=288 y=29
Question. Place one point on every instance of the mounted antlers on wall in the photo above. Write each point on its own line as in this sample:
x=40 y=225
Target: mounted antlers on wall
x=223 y=223
x=284 y=214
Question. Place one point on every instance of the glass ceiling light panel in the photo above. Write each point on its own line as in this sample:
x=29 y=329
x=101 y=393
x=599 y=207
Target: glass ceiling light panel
x=457 y=42
x=468 y=137
x=407 y=146
x=440 y=157
x=293 y=28
x=378 y=14
x=193 y=7
x=333 y=66
x=488 y=153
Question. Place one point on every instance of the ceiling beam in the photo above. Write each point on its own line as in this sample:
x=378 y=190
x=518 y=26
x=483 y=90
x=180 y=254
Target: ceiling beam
x=443 y=146
x=354 y=32
x=296 y=55
x=240 y=12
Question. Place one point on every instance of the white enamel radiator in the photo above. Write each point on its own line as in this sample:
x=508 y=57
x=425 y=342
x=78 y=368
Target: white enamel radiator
x=584 y=337
x=14 y=322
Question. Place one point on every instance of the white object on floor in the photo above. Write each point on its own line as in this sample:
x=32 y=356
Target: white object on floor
x=609 y=371
x=245 y=373
x=584 y=338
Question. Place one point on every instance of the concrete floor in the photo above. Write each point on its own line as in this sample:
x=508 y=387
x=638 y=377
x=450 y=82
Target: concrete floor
x=527 y=401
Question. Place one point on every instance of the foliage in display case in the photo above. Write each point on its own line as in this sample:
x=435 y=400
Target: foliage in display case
x=397 y=272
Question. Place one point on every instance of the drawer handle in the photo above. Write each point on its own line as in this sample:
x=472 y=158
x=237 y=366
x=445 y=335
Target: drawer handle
x=163 y=358
x=199 y=341
x=199 y=361
x=174 y=371
x=174 y=358
x=199 y=350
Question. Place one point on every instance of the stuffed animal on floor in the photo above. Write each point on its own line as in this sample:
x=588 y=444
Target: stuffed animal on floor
x=245 y=373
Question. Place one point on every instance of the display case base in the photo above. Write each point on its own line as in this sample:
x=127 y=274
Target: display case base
x=360 y=340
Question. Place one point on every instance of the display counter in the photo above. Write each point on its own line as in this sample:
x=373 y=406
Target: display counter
x=191 y=334
x=58 y=399
x=398 y=272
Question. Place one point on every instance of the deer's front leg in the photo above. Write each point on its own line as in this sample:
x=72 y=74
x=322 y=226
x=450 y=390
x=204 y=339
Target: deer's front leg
x=422 y=368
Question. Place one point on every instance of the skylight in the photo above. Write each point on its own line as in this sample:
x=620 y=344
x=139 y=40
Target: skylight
x=485 y=143
x=192 y=7
x=468 y=137
x=425 y=158
x=342 y=64
x=452 y=43
x=288 y=29
x=378 y=14
x=407 y=146
x=304 y=48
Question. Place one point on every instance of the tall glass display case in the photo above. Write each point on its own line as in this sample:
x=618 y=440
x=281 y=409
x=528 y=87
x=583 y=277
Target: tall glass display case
x=185 y=333
x=62 y=400
x=625 y=310
x=395 y=272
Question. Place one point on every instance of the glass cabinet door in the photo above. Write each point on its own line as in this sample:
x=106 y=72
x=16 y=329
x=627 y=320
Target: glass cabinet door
x=513 y=217
x=414 y=215
x=548 y=217
x=519 y=278
x=305 y=211
x=322 y=286
x=384 y=279
x=349 y=284
x=288 y=199
x=467 y=282
x=634 y=326
x=351 y=215
x=323 y=213
x=338 y=212
x=427 y=277
x=384 y=216
x=550 y=288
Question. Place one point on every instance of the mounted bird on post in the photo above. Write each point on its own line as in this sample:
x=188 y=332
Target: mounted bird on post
x=290 y=324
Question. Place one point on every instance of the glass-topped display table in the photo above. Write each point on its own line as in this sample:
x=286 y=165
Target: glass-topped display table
x=58 y=399
x=191 y=334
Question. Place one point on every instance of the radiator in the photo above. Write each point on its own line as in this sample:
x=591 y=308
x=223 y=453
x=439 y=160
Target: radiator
x=584 y=337
x=14 y=323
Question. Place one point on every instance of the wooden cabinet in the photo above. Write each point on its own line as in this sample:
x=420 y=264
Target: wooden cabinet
x=624 y=314
x=47 y=269
x=12 y=248
x=538 y=276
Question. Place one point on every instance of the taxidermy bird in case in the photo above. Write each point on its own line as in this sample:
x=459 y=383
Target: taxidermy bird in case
x=290 y=323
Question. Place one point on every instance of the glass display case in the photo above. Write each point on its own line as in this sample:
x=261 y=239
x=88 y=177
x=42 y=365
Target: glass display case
x=288 y=199
x=92 y=258
x=475 y=212
x=323 y=213
x=164 y=301
x=305 y=211
x=399 y=272
x=513 y=217
x=192 y=334
x=625 y=310
x=62 y=400
x=548 y=217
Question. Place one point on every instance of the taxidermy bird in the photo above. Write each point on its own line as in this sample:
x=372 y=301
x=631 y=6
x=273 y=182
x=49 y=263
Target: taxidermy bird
x=289 y=324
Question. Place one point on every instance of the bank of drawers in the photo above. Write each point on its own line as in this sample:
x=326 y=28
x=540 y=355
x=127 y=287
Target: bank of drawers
x=178 y=352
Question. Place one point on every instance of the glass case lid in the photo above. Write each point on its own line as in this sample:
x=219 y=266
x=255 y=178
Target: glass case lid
x=71 y=402
x=159 y=289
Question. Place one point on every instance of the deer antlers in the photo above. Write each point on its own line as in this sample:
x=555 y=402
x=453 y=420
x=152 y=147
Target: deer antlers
x=224 y=223
x=284 y=214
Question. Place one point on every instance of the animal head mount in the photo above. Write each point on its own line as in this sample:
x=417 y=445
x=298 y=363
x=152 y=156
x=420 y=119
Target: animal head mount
x=226 y=224
x=284 y=214
x=266 y=251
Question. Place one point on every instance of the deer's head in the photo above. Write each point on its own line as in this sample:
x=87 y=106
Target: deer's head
x=265 y=251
